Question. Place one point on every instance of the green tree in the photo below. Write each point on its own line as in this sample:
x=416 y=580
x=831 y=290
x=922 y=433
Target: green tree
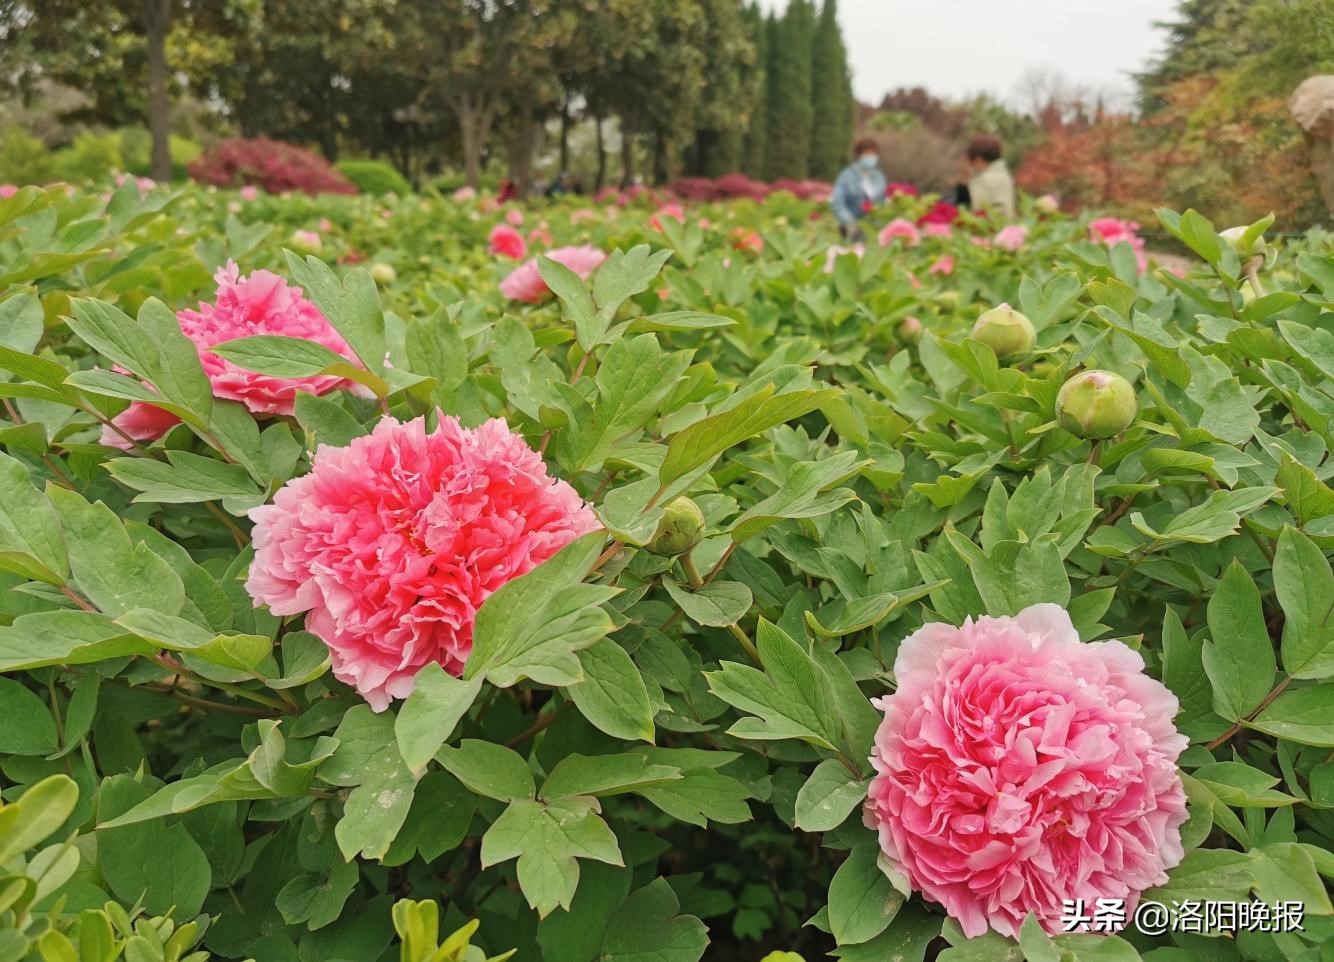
x=115 y=49
x=754 y=142
x=788 y=93
x=1208 y=36
x=832 y=103
x=727 y=103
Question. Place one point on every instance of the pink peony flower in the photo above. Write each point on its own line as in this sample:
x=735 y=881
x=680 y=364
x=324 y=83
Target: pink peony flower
x=897 y=187
x=583 y=215
x=942 y=212
x=1012 y=237
x=325 y=225
x=249 y=192
x=514 y=217
x=1017 y=767
x=540 y=235
x=8 y=190
x=307 y=241
x=1112 y=231
x=141 y=422
x=526 y=284
x=944 y=265
x=505 y=241
x=705 y=223
x=391 y=544
x=899 y=229
x=671 y=210
x=937 y=230
x=464 y=194
x=262 y=303
x=744 y=239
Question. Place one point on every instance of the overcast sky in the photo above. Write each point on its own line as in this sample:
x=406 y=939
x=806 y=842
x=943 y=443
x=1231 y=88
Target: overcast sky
x=961 y=47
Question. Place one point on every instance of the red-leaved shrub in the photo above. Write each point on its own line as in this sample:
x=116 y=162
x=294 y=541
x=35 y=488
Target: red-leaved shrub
x=731 y=186
x=271 y=164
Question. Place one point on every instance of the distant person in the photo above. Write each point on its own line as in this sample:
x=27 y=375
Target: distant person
x=859 y=188
x=990 y=187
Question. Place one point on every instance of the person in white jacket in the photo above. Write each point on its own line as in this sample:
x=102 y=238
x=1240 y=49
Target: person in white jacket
x=991 y=187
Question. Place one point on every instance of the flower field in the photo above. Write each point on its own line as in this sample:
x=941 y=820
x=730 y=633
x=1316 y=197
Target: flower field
x=375 y=586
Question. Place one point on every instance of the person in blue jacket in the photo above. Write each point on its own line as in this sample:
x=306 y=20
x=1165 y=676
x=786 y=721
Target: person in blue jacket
x=861 y=185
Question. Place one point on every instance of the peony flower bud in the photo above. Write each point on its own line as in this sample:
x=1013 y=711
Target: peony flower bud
x=383 y=273
x=910 y=330
x=1005 y=331
x=306 y=242
x=1096 y=404
x=1047 y=204
x=1233 y=236
x=777 y=956
x=680 y=529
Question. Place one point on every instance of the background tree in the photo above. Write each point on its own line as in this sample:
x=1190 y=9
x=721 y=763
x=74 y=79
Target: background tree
x=788 y=93
x=832 y=103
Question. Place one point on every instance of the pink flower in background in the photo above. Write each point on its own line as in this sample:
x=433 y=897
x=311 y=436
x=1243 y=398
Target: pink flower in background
x=1012 y=237
x=540 y=235
x=673 y=210
x=744 y=239
x=233 y=207
x=308 y=241
x=514 y=217
x=937 y=230
x=326 y=225
x=391 y=544
x=1113 y=230
x=505 y=241
x=895 y=188
x=525 y=282
x=249 y=192
x=583 y=215
x=464 y=194
x=1018 y=767
x=261 y=303
x=944 y=265
x=705 y=223
x=942 y=212
x=899 y=228
x=144 y=184
x=912 y=279
x=8 y=190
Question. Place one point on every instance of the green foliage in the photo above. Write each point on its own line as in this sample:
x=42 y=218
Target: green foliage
x=649 y=757
x=373 y=177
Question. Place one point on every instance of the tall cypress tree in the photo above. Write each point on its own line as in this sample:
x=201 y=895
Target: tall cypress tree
x=789 y=89
x=831 y=97
x=755 y=93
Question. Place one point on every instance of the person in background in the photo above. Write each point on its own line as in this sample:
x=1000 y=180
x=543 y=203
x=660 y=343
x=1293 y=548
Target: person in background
x=858 y=189
x=991 y=187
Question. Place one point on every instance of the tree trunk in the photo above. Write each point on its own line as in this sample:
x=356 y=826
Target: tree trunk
x=157 y=16
x=471 y=124
x=627 y=155
x=565 y=136
x=601 y=178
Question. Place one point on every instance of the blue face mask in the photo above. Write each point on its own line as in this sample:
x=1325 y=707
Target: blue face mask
x=868 y=161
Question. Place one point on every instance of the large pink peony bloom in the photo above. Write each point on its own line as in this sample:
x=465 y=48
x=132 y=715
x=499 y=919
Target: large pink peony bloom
x=1012 y=237
x=526 y=284
x=262 y=303
x=1017 y=767
x=902 y=229
x=391 y=544
x=505 y=241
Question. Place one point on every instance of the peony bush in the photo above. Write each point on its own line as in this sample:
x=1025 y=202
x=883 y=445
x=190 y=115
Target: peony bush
x=660 y=587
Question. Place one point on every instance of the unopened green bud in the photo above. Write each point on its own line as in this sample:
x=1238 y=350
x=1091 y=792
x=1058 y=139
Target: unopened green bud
x=910 y=330
x=1096 y=404
x=1005 y=331
x=783 y=957
x=383 y=273
x=1233 y=236
x=680 y=529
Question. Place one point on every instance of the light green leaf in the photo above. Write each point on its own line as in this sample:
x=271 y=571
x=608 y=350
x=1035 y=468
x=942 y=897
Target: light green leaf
x=648 y=928
x=717 y=604
x=489 y=769
x=428 y=717
x=1239 y=657
x=1305 y=588
x=861 y=900
x=828 y=797
x=612 y=695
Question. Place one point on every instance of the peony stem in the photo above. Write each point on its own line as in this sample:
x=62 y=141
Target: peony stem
x=1237 y=726
x=692 y=575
